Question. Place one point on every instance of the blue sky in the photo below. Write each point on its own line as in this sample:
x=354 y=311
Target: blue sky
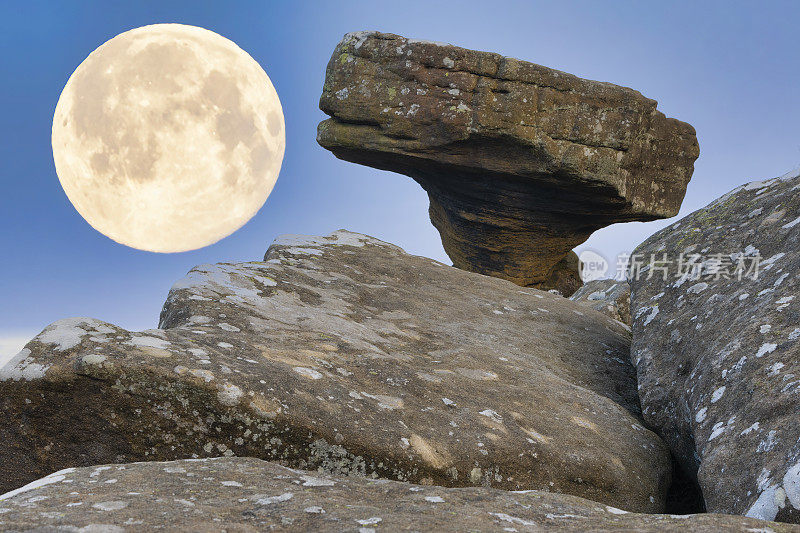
x=732 y=69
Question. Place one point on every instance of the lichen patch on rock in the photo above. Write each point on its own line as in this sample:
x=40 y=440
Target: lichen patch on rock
x=334 y=354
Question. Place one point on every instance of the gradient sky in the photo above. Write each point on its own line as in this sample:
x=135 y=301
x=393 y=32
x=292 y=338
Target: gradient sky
x=731 y=69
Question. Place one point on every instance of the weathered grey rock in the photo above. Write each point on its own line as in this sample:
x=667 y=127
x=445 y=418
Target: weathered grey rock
x=610 y=297
x=718 y=365
x=248 y=495
x=345 y=354
x=521 y=162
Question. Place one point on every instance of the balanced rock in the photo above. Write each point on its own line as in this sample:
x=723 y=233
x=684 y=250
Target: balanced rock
x=346 y=355
x=610 y=297
x=248 y=495
x=521 y=162
x=715 y=341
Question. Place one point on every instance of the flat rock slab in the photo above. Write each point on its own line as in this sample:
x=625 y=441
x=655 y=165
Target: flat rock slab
x=718 y=359
x=347 y=355
x=610 y=297
x=248 y=495
x=521 y=162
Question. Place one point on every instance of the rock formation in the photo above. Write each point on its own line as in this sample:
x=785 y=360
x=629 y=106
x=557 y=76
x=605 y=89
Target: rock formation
x=521 y=162
x=565 y=277
x=249 y=495
x=347 y=355
x=715 y=341
x=610 y=297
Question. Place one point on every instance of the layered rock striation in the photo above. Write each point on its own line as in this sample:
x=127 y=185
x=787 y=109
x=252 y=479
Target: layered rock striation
x=521 y=162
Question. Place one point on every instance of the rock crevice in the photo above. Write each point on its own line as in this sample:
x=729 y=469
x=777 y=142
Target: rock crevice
x=715 y=345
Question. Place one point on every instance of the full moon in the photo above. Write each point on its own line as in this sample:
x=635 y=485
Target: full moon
x=168 y=138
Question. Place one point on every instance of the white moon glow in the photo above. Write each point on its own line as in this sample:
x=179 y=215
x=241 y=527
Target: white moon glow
x=168 y=138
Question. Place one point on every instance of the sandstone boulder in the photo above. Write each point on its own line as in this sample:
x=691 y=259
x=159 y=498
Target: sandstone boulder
x=346 y=355
x=249 y=495
x=565 y=276
x=521 y=162
x=718 y=356
x=610 y=297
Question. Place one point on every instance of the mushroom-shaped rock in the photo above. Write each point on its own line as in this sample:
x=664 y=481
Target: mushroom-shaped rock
x=521 y=162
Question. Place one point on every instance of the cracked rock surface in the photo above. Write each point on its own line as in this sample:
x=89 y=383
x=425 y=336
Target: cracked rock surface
x=521 y=162
x=718 y=357
x=346 y=355
x=248 y=495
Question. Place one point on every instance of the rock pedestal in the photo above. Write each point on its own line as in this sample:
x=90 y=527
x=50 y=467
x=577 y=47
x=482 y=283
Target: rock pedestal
x=521 y=162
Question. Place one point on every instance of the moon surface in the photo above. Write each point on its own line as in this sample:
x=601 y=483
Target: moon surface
x=168 y=138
